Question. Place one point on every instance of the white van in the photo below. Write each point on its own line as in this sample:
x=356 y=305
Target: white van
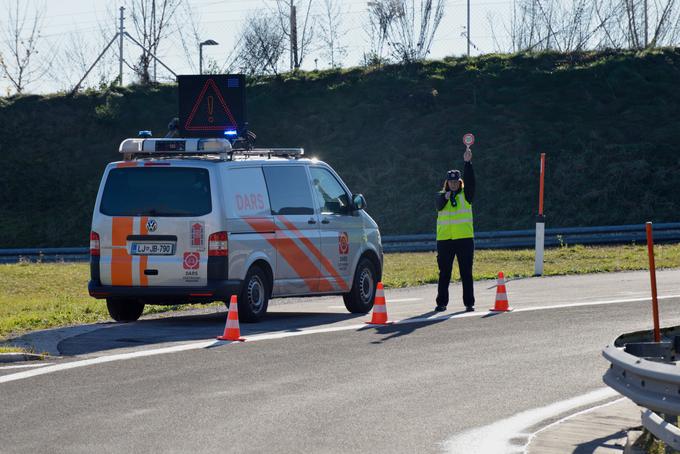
x=196 y=221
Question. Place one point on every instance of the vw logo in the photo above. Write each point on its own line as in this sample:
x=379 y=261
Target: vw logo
x=151 y=225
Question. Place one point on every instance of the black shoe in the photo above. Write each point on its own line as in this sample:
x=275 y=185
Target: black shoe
x=440 y=308
x=469 y=308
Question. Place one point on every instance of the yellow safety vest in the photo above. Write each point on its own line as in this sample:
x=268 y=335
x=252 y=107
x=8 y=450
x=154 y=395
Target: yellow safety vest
x=455 y=222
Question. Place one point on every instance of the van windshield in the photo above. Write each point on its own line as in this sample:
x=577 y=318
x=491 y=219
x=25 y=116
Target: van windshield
x=156 y=191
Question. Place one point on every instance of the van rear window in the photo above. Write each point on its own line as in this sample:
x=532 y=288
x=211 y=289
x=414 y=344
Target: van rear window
x=156 y=191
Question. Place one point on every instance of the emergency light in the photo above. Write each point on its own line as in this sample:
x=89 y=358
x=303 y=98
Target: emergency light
x=174 y=146
x=159 y=148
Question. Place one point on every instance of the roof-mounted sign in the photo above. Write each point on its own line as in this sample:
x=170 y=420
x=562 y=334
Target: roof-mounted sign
x=212 y=105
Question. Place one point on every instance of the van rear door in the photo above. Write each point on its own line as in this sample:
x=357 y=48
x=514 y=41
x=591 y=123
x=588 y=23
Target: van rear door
x=153 y=220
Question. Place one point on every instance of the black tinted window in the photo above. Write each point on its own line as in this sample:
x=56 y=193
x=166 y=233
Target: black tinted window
x=157 y=191
x=288 y=190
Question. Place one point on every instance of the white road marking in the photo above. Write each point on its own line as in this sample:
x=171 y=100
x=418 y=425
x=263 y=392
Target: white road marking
x=402 y=300
x=396 y=300
x=104 y=359
x=25 y=366
x=496 y=437
x=283 y=334
x=595 y=303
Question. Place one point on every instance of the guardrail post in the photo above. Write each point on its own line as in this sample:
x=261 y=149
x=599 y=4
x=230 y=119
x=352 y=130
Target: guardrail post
x=670 y=419
x=652 y=276
x=540 y=224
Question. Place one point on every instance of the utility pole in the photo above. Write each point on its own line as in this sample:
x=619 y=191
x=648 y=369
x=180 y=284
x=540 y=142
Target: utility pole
x=646 y=27
x=121 y=35
x=290 y=25
x=153 y=35
x=468 y=28
x=293 y=37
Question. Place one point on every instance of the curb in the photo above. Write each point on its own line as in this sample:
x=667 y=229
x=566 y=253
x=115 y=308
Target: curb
x=16 y=357
x=632 y=436
x=604 y=429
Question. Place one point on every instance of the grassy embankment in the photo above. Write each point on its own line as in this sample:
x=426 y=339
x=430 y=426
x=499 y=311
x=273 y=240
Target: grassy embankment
x=39 y=296
x=606 y=120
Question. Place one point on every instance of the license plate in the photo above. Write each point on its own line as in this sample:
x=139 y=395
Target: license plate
x=153 y=249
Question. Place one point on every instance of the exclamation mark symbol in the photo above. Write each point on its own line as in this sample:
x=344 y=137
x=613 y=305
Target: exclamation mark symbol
x=210 y=109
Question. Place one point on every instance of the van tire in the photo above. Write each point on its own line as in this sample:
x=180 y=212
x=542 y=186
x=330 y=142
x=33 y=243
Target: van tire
x=360 y=299
x=253 y=299
x=124 y=310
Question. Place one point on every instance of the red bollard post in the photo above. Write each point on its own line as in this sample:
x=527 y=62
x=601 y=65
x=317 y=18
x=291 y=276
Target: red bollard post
x=652 y=275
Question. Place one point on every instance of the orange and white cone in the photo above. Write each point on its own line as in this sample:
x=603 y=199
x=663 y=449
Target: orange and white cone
x=501 y=295
x=379 y=307
x=232 y=331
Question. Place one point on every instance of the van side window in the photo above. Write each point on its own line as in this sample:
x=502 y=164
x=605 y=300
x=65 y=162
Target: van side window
x=331 y=197
x=288 y=190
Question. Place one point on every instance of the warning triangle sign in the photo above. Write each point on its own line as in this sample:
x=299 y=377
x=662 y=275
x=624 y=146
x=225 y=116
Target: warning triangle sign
x=210 y=112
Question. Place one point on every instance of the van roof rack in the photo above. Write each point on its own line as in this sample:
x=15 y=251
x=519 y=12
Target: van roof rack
x=174 y=147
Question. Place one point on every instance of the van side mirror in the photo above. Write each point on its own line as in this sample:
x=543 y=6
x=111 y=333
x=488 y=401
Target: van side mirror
x=359 y=202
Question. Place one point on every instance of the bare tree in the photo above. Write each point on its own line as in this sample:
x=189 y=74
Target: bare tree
x=188 y=34
x=381 y=14
x=608 y=16
x=152 y=21
x=299 y=39
x=74 y=58
x=331 y=33
x=18 y=61
x=262 y=44
x=562 y=25
x=410 y=29
x=573 y=25
x=651 y=24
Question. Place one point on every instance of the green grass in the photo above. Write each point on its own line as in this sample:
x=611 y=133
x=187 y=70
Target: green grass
x=607 y=121
x=403 y=270
x=39 y=296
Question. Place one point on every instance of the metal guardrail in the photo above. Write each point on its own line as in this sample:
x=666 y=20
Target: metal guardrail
x=515 y=239
x=647 y=374
x=54 y=254
x=502 y=239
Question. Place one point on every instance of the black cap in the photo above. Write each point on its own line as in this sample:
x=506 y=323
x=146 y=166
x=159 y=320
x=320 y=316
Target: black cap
x=453 y=175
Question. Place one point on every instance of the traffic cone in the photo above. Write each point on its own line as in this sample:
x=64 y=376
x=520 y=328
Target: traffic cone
x=379 y=307
x=501 y=295
x=232 y=331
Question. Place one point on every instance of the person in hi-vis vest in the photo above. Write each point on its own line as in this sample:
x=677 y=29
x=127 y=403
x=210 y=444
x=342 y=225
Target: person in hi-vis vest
x=455 y=233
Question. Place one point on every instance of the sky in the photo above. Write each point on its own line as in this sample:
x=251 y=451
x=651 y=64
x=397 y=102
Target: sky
x=74 y=32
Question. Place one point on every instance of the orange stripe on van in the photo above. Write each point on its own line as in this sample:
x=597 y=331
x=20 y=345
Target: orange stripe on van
x=121 y=261
x=144 y=259
x=261 y=225
x=317 y=253
x=126 y=164
x=291 y=253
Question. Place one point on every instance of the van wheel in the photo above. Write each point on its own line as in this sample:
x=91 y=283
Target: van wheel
x=124 y=310
x=360 y=299
x=254 y=296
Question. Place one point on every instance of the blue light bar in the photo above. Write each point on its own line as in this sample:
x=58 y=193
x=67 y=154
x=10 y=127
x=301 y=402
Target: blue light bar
x=231 y=132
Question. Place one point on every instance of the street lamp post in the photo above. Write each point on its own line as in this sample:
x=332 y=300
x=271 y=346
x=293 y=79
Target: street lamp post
x=207 y=42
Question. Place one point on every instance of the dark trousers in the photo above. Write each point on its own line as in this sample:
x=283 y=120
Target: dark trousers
x=447 y=250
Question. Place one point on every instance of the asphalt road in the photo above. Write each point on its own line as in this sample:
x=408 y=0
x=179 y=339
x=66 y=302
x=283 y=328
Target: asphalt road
x=402 y=388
